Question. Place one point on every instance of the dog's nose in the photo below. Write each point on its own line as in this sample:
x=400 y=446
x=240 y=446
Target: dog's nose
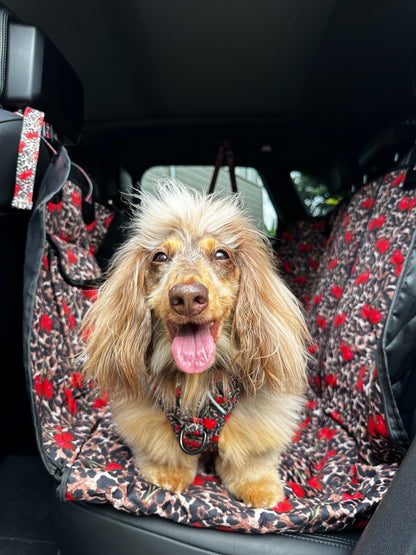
x=188 y=299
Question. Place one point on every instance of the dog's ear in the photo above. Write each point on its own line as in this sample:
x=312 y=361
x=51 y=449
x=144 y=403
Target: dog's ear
x=269 y=330
x=118 y=326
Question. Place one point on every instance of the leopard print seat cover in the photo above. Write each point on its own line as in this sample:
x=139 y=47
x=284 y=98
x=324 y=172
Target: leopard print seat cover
x=342 y=457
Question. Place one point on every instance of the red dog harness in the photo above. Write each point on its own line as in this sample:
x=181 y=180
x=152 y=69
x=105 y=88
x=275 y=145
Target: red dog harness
x=202 y=432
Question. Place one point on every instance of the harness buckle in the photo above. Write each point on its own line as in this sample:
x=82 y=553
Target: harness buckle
x=198 y=449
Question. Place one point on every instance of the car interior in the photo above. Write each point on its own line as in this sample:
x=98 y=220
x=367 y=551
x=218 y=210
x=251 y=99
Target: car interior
x=306 y=109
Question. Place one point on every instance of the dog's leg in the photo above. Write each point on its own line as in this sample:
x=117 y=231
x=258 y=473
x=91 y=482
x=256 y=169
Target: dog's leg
x=256 y=483
x=249 y=446
x=157 y=453
x=174 y=477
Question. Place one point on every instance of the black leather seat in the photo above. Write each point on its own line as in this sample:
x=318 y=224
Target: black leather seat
x=107 y=531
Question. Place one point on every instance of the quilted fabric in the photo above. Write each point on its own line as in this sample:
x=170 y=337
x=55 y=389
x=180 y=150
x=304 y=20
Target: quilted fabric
x=341 y=459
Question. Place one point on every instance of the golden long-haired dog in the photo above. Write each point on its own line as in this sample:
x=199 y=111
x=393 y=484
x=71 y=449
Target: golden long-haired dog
x=200 y=345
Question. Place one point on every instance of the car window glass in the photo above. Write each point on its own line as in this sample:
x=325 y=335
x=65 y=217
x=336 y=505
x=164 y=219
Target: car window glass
x=255 y=198
x=314 y=193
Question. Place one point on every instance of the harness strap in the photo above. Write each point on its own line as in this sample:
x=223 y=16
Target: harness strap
x=201 y=432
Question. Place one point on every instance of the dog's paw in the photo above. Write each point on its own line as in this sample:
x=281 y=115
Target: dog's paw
x=172 y=479
x=263 y=493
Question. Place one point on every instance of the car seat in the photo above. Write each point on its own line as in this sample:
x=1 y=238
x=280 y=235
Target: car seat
x=94 y=472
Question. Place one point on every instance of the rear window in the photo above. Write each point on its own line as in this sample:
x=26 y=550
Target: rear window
x=255 y=198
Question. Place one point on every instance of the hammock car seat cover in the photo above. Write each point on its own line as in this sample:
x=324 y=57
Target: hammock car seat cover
x=343 y=455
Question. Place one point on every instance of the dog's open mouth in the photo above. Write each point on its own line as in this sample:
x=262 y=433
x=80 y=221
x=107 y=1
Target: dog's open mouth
x=193 y=346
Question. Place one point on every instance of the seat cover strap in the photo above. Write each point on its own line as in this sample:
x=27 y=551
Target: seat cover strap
x=27 y=159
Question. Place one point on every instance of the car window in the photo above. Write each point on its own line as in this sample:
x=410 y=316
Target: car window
x=255 y=198
x=314 y=193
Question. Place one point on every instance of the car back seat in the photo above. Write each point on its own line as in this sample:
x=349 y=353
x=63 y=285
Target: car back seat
x=352 y=437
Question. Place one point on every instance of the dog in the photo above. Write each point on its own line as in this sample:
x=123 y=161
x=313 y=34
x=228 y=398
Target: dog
x=200 y=345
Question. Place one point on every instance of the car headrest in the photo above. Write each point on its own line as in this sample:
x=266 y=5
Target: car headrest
x=34 y=73
x=388 y=144
x=111 y=180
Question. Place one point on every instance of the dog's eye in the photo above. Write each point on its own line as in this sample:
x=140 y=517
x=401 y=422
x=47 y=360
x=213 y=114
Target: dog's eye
x=221 y=254
x=160 y=257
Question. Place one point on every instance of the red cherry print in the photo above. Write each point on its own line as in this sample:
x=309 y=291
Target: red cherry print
x=76 y=198
x=403 y=204
x=114 y=466
x=315 y=483
x=317 y=299
x=397 y=257
x=368 y=203
x=331 y=380
x=347 y=354
x=313 y=348
x=101 y=402
x=357 y=495
x=45 y=323
x=24 y=175
x=47 y=388
x=64 y=439
x=348 y=236
x=332 y=263
x=365 y=311
x=380 y=425
x=39 y=385
x=209 y=424
x=77 y=381
x=336 y=416
x=382 y=245
x=297 y=489
x=71 y=257
x=326 y=433
x=375 y=316
x=321 y=322
x=283 y=506
x=397 y=180
x=199 y=481
x=90 y=227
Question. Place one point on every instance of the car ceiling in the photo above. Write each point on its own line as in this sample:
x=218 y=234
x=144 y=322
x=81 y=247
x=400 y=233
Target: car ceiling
x=301 y=84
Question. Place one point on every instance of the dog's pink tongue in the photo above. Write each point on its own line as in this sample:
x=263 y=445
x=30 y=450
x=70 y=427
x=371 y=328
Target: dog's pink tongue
x=193 y=348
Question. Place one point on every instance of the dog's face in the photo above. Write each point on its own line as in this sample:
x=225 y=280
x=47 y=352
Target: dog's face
x=192 y=284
